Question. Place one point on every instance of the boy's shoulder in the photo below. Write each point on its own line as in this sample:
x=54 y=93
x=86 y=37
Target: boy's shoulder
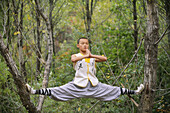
x=77 y=54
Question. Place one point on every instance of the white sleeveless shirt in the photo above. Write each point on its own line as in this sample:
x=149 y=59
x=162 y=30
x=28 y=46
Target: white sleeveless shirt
x=85 y=72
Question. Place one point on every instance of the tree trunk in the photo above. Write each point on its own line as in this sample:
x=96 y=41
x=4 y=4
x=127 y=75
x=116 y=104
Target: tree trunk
x=167 y=9
x=135 y=34
x=19 y=27
x=18 y=79
x=47 y=66
x=51 y=21
x=135 y=25
x=151 y=50
x=51 y=24
x=8 y=26
x=49 y=57
x=38 y=51
x=88 y=16
x=20 y=44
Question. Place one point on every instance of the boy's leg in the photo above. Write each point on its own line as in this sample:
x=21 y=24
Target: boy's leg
x=62 y=93
x=127 y=91
x=45 y=91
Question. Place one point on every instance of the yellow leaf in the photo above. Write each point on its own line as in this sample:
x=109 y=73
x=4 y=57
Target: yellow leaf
x=124 y=75
x=119 y=101
x=79 y=109
x=43 y=31
x=29 y=17
x=132 y=26
x=16 y=33
x=107 y=76
x=162 y=97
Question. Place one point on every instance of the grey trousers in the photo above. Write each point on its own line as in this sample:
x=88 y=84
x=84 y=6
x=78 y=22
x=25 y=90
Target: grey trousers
x=70 y=91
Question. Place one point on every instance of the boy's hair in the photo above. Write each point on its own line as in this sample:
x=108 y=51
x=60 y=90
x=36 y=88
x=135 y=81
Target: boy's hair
x=84 y=38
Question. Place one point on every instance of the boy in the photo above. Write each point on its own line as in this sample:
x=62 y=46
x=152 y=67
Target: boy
x=85 y=83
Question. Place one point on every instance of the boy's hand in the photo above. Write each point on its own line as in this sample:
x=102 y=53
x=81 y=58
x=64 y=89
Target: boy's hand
x=98 y=58
x=88 y=53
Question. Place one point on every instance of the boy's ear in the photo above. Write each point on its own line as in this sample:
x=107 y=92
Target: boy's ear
x=77 y=45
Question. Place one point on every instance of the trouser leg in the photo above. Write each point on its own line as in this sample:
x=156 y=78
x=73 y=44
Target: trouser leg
x=45 y=91
x=126 y=91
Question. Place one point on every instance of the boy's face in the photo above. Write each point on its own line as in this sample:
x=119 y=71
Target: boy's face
x=83 y=45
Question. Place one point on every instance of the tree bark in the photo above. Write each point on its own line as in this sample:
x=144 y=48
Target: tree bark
x=38 y=51
x=51 y=24
x=51 y=21
x=151 y=51
x=8 y=26
x=20 y=44
x=135 y=34
x=167 y=9
x=88 y=16
x=49 y=57
x=18 y=79
x=19 y=27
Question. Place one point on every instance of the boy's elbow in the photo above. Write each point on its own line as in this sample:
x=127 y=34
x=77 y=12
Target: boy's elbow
x=73 y=60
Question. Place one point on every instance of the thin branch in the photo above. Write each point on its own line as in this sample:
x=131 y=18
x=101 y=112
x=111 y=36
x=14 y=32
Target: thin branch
x=156 y=102
x=97 y=25
x=162 y=94
x=84 y=17
x=162 y=35
x=57 y=13
x=35 y=49
x=121 y=75
x=129 y=61
x=167 y=32
x=11 y=101
x=131 y=97
x=165 y=52
x=164 y=69
x=107 y=62
x=160 y=89
x=19 y=80
x=38 y=9
x=5 y=19
x=103 y=74
x=92 y=106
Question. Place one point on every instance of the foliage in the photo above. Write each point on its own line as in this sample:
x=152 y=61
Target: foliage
x=111 y=34
x=10 y=101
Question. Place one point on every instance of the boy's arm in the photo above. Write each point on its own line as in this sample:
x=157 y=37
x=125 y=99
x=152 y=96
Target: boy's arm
x=75 y=58
x=99 y=58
